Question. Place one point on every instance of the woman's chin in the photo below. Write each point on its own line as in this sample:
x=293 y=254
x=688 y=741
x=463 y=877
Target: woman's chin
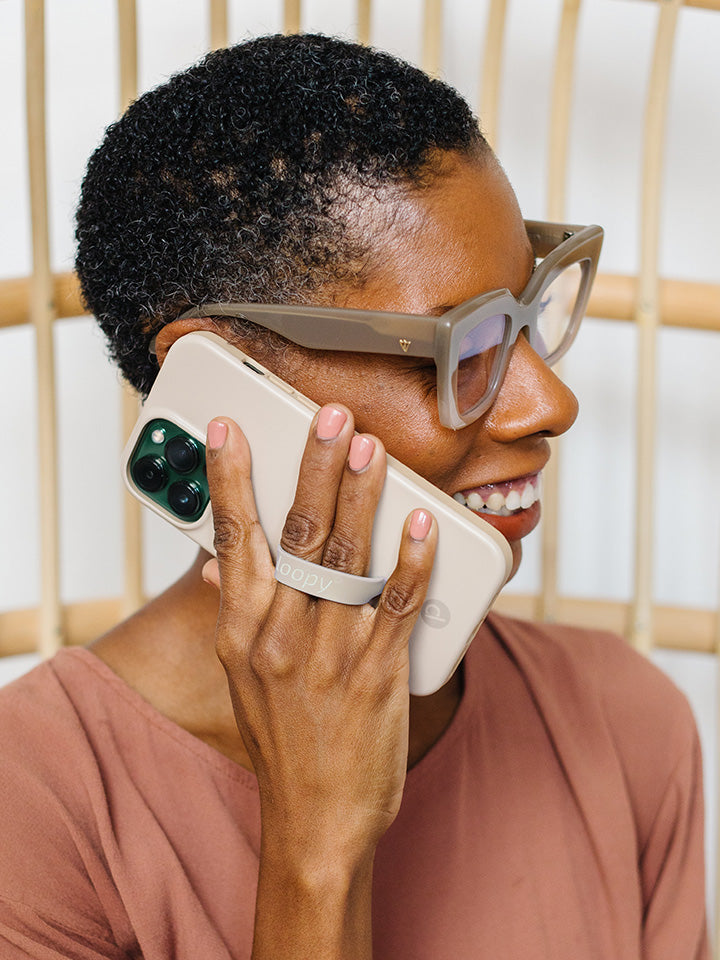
x=516 y=547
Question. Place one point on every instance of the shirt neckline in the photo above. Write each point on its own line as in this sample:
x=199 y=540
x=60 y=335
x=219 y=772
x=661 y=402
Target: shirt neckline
x=223 y=764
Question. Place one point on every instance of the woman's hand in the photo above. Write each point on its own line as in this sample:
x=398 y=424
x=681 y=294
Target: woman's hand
x=319 y=689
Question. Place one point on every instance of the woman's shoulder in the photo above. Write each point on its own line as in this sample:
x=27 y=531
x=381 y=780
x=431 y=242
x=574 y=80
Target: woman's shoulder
x=587 y=680
x=44 y=748
x=36 y=703
x=47 y=771
x=597 y=662
x=618 y=724
x=51 y=793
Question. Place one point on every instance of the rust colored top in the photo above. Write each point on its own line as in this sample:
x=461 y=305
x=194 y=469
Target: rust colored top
x=558 y=818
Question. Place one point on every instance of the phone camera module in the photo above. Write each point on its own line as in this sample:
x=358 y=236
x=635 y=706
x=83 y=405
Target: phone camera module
x=149 y=474
x=184 y=498
x=182 y=454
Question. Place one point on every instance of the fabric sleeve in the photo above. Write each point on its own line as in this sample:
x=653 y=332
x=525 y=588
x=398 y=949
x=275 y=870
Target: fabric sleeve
x=672 y=865
x=51 y=888
x=57 y=901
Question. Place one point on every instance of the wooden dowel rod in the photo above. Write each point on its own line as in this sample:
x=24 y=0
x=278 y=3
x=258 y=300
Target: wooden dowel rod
x=41 y=313
x=432 y=37
x=132 y=514
x=364 y=21
x=677 y=628
x=15 y=298
x=489 y=98
x=683 y=303
x=292 y=16
x=647 y=317
x=561 y=105
x=218 y=24
x=717 y=650
x=84 y=622
x=701 y=4
x=127 y=52
x=561 y=102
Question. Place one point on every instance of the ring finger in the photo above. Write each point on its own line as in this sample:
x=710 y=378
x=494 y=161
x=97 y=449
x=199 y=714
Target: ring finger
x=348 y=545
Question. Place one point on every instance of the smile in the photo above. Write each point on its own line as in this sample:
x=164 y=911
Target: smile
x=502 y=499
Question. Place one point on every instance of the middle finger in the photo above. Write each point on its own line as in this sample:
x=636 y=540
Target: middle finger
x=311 y=516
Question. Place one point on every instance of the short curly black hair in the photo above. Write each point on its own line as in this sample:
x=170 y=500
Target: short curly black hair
x=232 y=180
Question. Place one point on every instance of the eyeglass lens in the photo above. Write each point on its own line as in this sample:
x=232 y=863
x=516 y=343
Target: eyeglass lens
x=480 y=354
x=481 y=349
x=555 y=311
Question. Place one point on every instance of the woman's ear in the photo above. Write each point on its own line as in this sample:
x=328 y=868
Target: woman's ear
x=171 y=332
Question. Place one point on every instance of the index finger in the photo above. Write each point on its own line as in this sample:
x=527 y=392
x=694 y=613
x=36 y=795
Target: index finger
x=242 y=551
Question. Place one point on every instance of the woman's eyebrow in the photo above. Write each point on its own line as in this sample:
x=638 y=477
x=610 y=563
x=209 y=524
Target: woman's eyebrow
x=440 y=309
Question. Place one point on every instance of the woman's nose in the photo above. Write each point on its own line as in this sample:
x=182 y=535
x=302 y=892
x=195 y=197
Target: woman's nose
x=532 y=399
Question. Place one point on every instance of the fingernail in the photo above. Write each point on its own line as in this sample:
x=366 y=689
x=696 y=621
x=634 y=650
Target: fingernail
x=420 y=525
x=361 y=451
x=330 y=422
x=211 y=573
x=216 y=433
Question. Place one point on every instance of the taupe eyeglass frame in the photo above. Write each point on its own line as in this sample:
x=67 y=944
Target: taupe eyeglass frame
x=555 y=245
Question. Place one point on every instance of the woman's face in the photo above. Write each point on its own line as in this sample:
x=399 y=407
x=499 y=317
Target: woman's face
x=460 y=237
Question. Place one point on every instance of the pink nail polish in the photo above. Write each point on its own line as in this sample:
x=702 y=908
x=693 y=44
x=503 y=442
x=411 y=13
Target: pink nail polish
x=420 y=525
x=361 y=451
x=330 y=422
x=216 y=434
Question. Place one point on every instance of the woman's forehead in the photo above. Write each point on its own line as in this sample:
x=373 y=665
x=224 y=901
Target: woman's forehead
x=461 y=236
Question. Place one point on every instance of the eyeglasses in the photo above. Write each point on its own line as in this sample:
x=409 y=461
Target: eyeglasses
x=470 y=343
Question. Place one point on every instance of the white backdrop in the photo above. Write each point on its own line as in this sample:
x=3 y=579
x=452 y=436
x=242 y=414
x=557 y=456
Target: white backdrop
x=597 y=487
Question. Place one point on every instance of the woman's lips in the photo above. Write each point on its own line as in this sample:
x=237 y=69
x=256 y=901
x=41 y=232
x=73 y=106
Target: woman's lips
x=517 y=525
x=512 y=506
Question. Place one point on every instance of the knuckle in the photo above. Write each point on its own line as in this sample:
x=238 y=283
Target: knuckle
x=269 y=659
x=225 y=648
x=340 y=552
x=399 y=600
x=301 y=532
x=231 y=534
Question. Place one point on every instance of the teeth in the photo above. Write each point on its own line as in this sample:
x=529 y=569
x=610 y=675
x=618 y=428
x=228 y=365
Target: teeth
x=496 y=501
x=502 y=505
x=528 y=497
x=475 y=502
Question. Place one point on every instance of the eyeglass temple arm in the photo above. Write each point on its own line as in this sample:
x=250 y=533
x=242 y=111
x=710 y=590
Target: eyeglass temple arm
x=545 y=236
x=328 y=328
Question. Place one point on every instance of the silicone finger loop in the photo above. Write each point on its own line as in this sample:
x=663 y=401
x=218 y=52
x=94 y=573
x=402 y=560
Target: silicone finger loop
x=324 y=582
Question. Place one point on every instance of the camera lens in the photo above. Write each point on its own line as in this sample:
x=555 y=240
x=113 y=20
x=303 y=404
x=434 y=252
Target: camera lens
x=149 y=474
x=182 y=454
x=184 y=498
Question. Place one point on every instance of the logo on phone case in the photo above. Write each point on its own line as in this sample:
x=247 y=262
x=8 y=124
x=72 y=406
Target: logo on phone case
x=435 y=614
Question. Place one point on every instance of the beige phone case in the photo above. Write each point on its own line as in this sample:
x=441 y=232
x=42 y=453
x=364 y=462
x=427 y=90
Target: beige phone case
x=204 y=377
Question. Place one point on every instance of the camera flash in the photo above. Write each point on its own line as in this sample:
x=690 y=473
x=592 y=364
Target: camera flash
x=157 y=436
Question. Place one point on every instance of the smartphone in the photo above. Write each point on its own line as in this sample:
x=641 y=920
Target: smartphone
x=164 y=467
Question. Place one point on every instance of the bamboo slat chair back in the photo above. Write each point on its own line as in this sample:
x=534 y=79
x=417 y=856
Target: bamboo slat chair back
x=646 y=300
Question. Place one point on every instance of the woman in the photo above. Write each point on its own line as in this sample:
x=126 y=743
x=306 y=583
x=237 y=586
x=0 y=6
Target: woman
x=238 y=769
